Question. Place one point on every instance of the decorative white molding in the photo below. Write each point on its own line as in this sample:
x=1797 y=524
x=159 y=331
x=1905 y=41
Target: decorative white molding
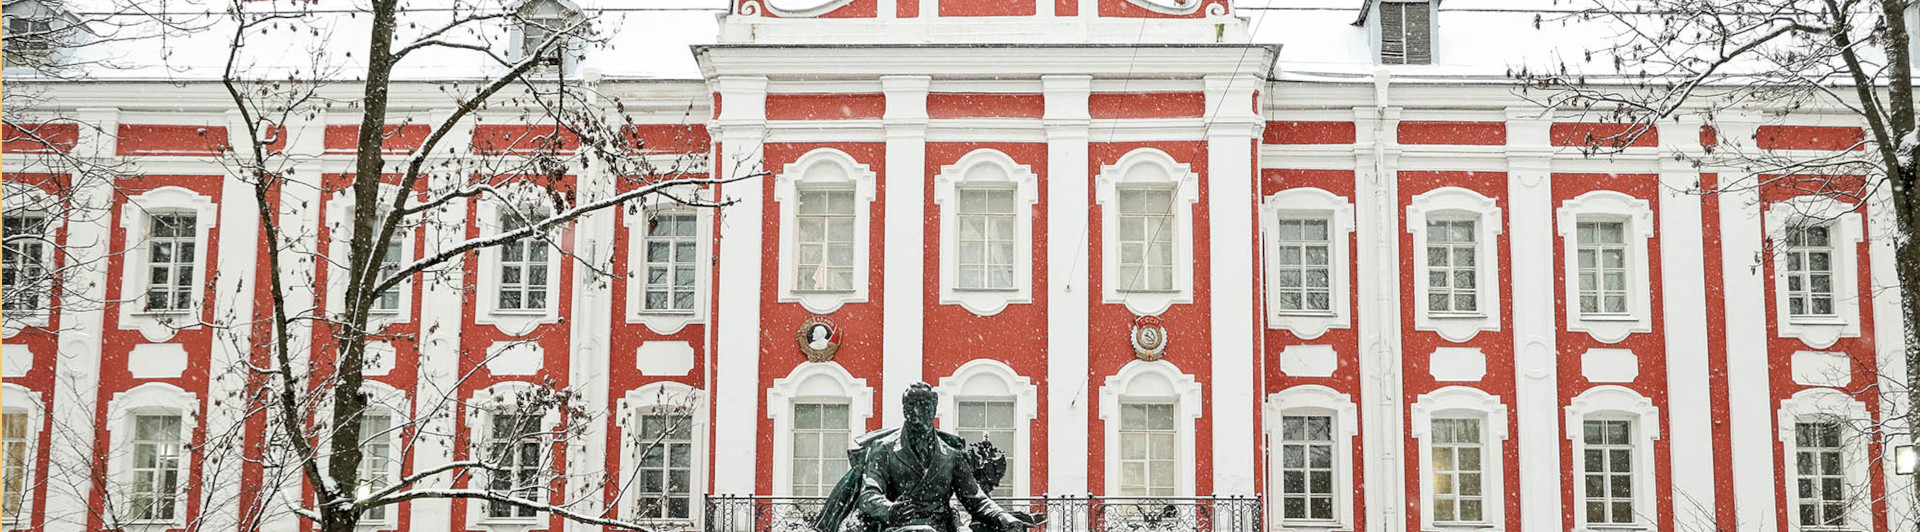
x=1616 y=402
x=1167 y=7
x=985 y=378
x=1308 y=203
x=1457 y=364
x=660 y=321
x=151 y=398
x=1637 y=215
x=1458 y=203
x=1147 y=168
x=801 y=8
x=1459 y=401
x=1152 y=382
x=825 y=168
x=1827 y=404
x=160 y=326
x=1307 y=360
x=1602 y=364
x=1316 y=400
x=1844 y=238
x=157 y=361
x=1821 y=368
x=515 y=357
x=656 y=397
x=530 y=201
x=19 y=399
x=986 y=168
x=815 y=382
x=15 y=360
x=664 y=358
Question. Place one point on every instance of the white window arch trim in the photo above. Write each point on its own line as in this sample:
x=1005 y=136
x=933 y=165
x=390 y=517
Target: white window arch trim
x=1637 y=215
x=649 y=399
x=1455 y=401
x=19 y=399
x=1314 y=399
x=1309 y=203
x=664 y=322
x=813 y=381
x=833 y=169
x=339 y=214
x=1611 y=402
x=150 y=398
x=531 y=202
x=1847 y=232
x=1159 y=381
x=991 y=379
x=1147 y=168
x=34 y=200
x=480 y=409
x=160 y=326
x=1455 y=203
x=1827 y=404
x=1000 y=171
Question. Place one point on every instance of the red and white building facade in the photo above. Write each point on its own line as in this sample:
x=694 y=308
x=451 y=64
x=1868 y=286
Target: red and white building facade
x=1391 y=301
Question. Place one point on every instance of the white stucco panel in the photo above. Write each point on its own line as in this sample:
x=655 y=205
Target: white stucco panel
x=1309 y=361
x=514 y=358
x=1458 y=364
x=15 y=360
x=664 y=359
x=379 y=361
x=1609 y=365
x=1821 y=368
x=157 y=361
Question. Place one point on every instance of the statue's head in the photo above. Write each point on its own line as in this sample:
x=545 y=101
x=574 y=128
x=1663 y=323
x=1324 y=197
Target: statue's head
x=921 y=404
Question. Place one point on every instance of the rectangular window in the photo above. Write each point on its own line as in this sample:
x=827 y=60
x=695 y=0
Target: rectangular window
x=1406 y=34
x=1304 y=277
x=1602 y=260
x=156 y=467
x=1452 y=274
x=1822 y=488
x=533 y=33
x=16 y=447
x=824 y=241
x=1306 y=468
x=523 y=269
x=513 y=443
x=991 y=421
x=376 y=460
x=1148 y=445
x=23 y=271
x=389 y=300
x=1608 y=471
x=986 y=246
x=819 y=447
x=671 y=264
x=170 y=262
x=1457 y=495
x=1809 y=255
x=31 y=36
x=1146 y=232
x=666 y=467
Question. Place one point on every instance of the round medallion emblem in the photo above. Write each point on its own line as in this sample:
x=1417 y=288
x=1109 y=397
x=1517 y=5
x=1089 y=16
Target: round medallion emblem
x=1149 y=338
x=818 y=338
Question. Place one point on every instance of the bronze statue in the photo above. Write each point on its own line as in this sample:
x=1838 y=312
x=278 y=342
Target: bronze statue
x=904 y=479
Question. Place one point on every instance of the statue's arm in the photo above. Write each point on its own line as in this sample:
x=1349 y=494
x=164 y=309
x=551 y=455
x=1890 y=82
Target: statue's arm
x=872 y=498
x=973 y=497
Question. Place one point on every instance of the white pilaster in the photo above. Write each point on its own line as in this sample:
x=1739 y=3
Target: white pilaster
x=589 y=365
x=435 y=396
x=741 y=130
x=1376 y=193
x=301 y=215
x=1067 y=121
x=1683 y=294
x=1231 y=244
x=1892 y=341
x=904 y=274
x=76 y=386
x=1748 y=384
x=1536 y=374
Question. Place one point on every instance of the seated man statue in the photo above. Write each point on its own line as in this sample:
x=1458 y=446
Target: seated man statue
x=903 y=480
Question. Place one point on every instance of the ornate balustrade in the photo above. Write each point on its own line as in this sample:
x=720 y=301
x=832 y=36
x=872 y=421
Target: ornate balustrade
x=760 y=513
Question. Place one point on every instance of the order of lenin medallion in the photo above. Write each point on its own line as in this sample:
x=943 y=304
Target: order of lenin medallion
x=1149 y=338
x=818 y=338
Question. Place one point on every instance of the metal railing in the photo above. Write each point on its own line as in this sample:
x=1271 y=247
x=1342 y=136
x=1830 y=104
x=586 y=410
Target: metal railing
x=761 y=513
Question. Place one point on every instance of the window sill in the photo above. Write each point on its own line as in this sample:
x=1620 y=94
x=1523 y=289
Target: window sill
x=1615 y=527
x=510 y=521
x=1818 y=320
x=1607 y=317
x=1125 y=291
x=1307 y=313
x=1465 y=526
x=986 y=290
x=1310 y=523
x=518 y=312
x=1457 y=316
x=824 y=292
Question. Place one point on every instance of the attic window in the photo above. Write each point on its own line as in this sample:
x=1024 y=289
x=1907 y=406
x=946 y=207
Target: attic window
x=30 y=31
x=1406 y=32
x=541 y=20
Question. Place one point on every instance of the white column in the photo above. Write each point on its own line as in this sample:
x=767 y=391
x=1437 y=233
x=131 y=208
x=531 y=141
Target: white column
x=1891 y=338
x=1684 y=296
x=1376 y=157
x=904 y=271
x=1067 y=121
x=76 y=386
x=1232 y=249
x=1536 y=383
x=741 y=130
x=435 y=393
x=588 y=365
x=1748 y=384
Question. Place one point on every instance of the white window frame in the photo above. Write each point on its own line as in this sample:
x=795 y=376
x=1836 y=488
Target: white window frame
x=652 y=399
x=569 y=50
x=479 y=423
x=1846 y=232
x=17 y=399
x=1159 y=381
x=153 y=398
x=812 y=382
x=1455 y=203
x=1826 y=404
x=825 y=168
x=1307 y=203
x=384 y=399
x=1456 y=402
x=1610 y=402
x=487 y=217
x=161 y=326
x=986 y=168
x=1316 y=400
x=1147 y=168
x=34 y=201
x=1637 y=215
x=667 y=321
x=988 y=379
x=339 y=215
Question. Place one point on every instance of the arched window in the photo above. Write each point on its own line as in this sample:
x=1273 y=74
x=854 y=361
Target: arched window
x=513 y=434
x=825 y=228
x=663 y=452
x=165 y=270
x=986 y=231
x=1306 y=237
x=986 y=400
x=1612 y=430
x=1311 y=430
x=1825 y=434
x=519 y=281
x=1146 y=209
x=1149 y=409
x=150 y=429
x=1607 y=281
x=1462 y=432
x=1456 y=244
x=817 y=411
x=1815 y=244
x=21 y=416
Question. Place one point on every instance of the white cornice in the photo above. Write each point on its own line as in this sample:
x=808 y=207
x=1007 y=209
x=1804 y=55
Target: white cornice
x=1002 y=61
